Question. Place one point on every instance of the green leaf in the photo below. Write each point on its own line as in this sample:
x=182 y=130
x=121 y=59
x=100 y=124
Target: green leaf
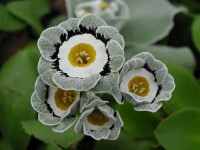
x=180 y=131
x=165 y=53
x=137 y=124
x=149 y=21
x=8 y=22
x=196 y=32
x=45 y=134
x=123 y=142
x=30 y=11
x=17 y=77
x=187 y=91
x=4 y=145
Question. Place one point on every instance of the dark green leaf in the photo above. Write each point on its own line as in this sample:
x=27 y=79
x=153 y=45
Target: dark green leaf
x=4 y=145
x=123 y=142
x=45 y=134
x=196 y=32
x=187 y=91
x=30 y=11
x=137 y=124
x=180 y=131
x=17 y=78
x=8 y=22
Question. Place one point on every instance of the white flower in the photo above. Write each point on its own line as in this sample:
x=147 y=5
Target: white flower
x=81 y=54
x=99 y=121
x=115 y=12
x=55 y=107
x=145 y=82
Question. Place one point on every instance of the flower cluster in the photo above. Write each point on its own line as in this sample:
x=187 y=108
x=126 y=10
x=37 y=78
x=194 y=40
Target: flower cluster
x=83 y=57
x=114 y=12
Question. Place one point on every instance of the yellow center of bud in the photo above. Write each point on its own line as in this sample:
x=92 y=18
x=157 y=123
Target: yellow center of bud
x=139 y=85
x=104 y=5
x=97 y=118
x=64 y=99
x=82 y=55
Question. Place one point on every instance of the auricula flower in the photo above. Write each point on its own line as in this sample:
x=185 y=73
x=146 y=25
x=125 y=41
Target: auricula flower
x=81 y=54
x=55 y=107
x=99 y=121
x=114 y=12
x=144 y=82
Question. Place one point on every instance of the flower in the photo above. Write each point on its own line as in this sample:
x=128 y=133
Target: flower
x=115 y=12
x=81 y=54
x=144 y=82
x=55 y=107
x=99 y=121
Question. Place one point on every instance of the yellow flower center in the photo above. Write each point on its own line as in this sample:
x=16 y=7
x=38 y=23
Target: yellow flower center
x=104 y=5
x=139 y=85
x=64 y=99
x=82 y=55
x=97 y=118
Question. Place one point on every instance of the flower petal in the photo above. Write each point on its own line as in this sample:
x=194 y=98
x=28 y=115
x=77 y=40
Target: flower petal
x=47 y=48
x=84 y=100
x=48 y=39
x=96 y=102
x=91 y=22
x=153 y=107
x=79 y=84
x=116 y=63
x=40 y=89
x=114 y=134
x=154 y=65
x=38 y=105
x=97 y=135
x=79 y=125
x=65 y=124
x=44 y=65
x=53 y=34
x=70 y=24
x=119 y=123
x=106 y=83
x=167 y=88
x=107 y=31
x=48 y=119
x=114 y=48
x=116 y=93
x=47 y=77
x=119 y=38
x=132 y=63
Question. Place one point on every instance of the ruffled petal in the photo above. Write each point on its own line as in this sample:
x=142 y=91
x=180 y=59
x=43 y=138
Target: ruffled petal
x=119 y=38
x=39 y=105
x=40 y=89
x=154 y=65
x=47 y=77
x=44 y=65
x=153 y=107
x=65 y=124
x=97 y=135
x=106 y=83
x=79 y=84
x=107 y=31
x=49 y=120
x=114 y=134
x=70 y=25
x=91 y=22
x=48 y=39
x=167 y=88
